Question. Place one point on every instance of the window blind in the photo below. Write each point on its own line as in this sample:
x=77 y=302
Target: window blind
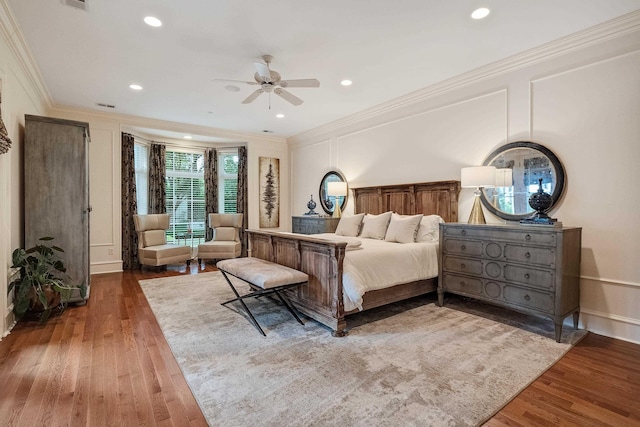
x=228 y=181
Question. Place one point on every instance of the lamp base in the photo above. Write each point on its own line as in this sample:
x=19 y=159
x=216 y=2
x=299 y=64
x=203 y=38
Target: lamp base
x=477 y=215
x=337 y=213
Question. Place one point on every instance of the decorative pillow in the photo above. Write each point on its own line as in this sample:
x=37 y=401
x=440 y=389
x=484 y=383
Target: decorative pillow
x=429 y=230
x=349 y=225
x=403 y=229
x=225 y=234
x=153 y=238
x=375 y=226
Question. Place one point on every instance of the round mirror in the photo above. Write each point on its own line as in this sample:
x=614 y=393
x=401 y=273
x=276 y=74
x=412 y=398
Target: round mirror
x=327 y=202
x=519 y=168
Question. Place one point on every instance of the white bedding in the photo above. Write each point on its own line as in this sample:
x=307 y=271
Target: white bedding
x=378 y=264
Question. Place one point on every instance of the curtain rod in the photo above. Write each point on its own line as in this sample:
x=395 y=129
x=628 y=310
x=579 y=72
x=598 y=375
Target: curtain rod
x=190 y=146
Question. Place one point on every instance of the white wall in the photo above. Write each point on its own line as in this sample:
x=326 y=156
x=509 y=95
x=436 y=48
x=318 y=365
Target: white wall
x=579 y=96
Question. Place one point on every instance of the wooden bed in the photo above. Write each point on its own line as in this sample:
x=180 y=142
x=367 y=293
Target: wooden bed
x=322 y=260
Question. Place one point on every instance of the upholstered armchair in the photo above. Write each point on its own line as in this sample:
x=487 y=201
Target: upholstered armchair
x=152 y=242
x=226 y=238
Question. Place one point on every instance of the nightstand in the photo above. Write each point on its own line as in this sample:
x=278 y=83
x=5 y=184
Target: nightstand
x=314 y=224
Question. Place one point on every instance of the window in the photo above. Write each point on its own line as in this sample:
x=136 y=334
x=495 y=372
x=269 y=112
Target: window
x=141 y=166
x=185 y=195
x=228 y=181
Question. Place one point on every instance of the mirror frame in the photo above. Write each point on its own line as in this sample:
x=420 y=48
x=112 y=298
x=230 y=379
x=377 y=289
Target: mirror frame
x=555 y=162
x=322 y=192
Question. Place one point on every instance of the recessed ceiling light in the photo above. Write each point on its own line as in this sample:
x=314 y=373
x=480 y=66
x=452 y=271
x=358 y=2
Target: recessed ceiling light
x=152 y=21
x=232 y=88
x=188 y=137
x=480 y=13
x=135 y=87
x=346 y=82
x=280 y=115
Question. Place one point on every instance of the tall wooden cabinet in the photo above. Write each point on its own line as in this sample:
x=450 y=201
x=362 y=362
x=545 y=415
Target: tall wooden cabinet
x=56 y=191
x=532 y=269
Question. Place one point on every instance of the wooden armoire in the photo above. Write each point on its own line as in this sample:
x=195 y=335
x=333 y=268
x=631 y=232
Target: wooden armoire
x=56 y=191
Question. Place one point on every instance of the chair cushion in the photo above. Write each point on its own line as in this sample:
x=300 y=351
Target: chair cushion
x=225 y=234
x=219 y=249
x=261 y=273
x=153 y=238
x=166 y=251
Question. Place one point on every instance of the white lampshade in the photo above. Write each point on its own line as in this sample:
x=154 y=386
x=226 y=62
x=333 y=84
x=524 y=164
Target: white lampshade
x=337 y=188
x=504 y=177
x=478 y=176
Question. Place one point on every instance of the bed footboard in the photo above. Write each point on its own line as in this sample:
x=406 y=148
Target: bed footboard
x=322 y=260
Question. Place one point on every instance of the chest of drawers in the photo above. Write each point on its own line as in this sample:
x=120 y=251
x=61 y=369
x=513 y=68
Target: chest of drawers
x=532 y=269
x=314 y=224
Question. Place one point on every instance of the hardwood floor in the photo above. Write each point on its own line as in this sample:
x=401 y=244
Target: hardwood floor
x=107 y=363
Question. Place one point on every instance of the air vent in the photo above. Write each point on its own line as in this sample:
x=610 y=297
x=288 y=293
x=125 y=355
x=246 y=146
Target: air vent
x=100 y=104
x=80 y=4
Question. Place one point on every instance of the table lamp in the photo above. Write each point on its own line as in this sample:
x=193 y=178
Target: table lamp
x=337 y=189
x=477 y=177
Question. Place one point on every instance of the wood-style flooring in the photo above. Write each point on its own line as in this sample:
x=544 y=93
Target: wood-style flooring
x=107 y=363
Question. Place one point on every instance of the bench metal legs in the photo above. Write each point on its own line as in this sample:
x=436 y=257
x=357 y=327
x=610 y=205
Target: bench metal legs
x=256 y=293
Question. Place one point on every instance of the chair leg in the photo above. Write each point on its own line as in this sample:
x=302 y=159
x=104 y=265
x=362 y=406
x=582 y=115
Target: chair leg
x=188 y=262
x=239 y=298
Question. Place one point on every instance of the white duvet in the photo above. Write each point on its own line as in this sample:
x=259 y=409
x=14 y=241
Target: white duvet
x=377 y=264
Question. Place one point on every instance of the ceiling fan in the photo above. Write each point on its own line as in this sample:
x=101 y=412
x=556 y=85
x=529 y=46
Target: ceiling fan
x=271 y=82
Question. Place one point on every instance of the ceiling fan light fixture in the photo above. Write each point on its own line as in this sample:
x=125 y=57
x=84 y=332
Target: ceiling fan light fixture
x=480 y=13
x=152 y=21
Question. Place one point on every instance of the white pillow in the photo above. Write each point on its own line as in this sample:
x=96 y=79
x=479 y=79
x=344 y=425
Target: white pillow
x=429 y=230
x=375 y=226
x=349 y=225
x=403 y=229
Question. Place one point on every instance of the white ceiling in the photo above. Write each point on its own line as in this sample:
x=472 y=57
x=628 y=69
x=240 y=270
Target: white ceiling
x=388 y=48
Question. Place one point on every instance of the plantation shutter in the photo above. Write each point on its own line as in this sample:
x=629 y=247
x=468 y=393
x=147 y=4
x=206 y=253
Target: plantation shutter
x=185 y=194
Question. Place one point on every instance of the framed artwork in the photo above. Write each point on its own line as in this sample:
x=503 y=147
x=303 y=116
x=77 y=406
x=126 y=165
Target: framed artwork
x=269 y=171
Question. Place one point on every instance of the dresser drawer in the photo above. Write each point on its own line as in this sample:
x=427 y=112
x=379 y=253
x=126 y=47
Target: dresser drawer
x=543 y=279
x=462 y=284
x=314 y=224
x=463 y=247
x=528 y=298
x=462 y=265
x=529 y=237
x=530 y=255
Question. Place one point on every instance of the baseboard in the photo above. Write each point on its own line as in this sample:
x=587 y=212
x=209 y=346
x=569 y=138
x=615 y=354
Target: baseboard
x=106 y=267
x=611 y=325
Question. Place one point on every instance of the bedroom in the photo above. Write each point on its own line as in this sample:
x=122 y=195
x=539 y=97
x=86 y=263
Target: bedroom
x=578 y=96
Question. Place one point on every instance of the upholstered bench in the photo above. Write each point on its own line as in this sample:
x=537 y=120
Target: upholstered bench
x=264 y=277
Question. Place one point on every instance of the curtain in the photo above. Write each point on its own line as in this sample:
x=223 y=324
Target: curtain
x=210 y=187
x=129 y=205
x=5 y=142
x=242 y=204
x=157 y=184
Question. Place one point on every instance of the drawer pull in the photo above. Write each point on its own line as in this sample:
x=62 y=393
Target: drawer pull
x=527 y=255
x=527 y=237
x=463 y=247
x=462 y=266
x=462 y=284
x=526 y=276
x=527 y=297
x=463 y=232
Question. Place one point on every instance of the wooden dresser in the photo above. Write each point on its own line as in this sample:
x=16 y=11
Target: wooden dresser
x=532 y=269
x=312 y=224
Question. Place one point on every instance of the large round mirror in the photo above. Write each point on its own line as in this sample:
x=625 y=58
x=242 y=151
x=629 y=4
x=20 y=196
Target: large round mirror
x=519 y=168
x=328 y=202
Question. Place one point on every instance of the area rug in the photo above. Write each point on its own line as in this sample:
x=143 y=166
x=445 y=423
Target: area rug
x=409 y=363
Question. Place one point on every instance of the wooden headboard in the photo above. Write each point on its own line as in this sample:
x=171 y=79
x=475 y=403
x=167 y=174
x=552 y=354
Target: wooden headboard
x=439 y=198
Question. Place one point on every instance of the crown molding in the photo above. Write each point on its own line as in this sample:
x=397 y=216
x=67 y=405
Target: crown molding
x=10 y=31
x=615 y=28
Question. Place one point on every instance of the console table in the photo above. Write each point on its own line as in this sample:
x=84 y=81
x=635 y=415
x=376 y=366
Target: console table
x=314 y=224
x=532 y=269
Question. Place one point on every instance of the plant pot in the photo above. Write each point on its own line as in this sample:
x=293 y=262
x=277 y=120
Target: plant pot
x=53 y=299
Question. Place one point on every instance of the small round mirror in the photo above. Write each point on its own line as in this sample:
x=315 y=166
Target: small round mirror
x=519 y=168
x=328 y=202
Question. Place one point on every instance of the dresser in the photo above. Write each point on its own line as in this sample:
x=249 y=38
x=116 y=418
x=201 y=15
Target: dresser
x=531 y=269
x=313 y=224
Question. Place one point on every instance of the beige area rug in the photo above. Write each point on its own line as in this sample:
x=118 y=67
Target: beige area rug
x=411 y=363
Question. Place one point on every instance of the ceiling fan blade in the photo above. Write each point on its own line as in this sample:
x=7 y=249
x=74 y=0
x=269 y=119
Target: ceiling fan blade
x=288 y=96
x=235 y=81
x=253 y=96
x=263 y=71
x=300 y=83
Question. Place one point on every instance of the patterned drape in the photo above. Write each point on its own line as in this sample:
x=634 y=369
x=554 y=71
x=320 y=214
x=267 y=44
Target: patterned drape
x=210 y=186
x=129 y=205
x=5 y=142
x=157 y=184
x=242 y=203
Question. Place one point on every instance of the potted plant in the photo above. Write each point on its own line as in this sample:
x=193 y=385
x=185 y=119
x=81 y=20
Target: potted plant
x=40 y=286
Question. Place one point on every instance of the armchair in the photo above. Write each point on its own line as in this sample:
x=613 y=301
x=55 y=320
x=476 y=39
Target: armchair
x=152 y=242
x=226 y=238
